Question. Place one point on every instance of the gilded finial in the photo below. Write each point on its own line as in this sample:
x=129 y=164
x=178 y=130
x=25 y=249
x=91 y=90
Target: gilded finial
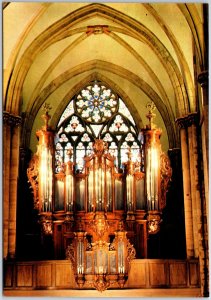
x=120 y=226
x=150 y=116
x=100 y=146
x=69 y=153
x=129 y=154
x=46 y=107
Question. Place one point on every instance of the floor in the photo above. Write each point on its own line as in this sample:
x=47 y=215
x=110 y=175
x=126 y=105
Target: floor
x=131 y=293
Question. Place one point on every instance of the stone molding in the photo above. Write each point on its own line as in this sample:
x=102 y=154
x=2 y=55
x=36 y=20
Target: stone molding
x=188 y=120
x=203 y=78
x=11 y=120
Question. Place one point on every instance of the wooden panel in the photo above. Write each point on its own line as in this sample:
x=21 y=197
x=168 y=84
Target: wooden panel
x=157 y=274
x=194 y=274
x=140 y=240
x=8 y=275
x=178 y=274
x=64 y=276
x=44 y=275
x=24 y=275
x=144 y=273
x=58 y=241
x=137 y=275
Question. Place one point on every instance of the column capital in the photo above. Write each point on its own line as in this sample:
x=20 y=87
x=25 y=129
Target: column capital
x=174 y=151
x=203 y=78
x=188 y=120
x=24 y=154
x=181 y=122
x=11 y=120
x=192 y=118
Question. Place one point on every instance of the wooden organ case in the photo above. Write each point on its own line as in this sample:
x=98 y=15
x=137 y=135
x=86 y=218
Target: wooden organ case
x=98 y=218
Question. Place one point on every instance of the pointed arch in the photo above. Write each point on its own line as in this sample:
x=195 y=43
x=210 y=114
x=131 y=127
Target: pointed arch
x=102 y=65
x=59 y=30
x=96 y=112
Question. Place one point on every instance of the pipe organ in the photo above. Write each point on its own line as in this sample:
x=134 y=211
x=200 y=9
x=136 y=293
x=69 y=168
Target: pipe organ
x=97 y=217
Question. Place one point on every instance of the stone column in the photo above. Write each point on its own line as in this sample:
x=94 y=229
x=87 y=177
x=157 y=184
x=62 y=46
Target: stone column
x=191 y=151
x=200 y=206
x=6 y=175
x=186 y=188
x=11 y=164
x=193 y=185
x=203 y=80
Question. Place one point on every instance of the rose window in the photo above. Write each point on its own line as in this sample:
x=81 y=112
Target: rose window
x=96 y=103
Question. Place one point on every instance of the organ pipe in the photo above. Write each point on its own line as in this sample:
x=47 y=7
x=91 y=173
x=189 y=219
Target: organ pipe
x=99 y=185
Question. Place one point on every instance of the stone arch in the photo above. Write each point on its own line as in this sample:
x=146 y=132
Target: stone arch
x=58 y=31
x=102 y=65
x=111 y=84
x=81 y=38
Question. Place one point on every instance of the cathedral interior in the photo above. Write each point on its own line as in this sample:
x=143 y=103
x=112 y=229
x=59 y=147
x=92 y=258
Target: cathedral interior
x=105 y=149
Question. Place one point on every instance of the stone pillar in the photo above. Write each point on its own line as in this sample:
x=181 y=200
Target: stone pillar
x=203 y=80
x=191 y=153
x=201 y=218
x=6 y=175
x=193 y=185
x=187 y=189
x=11 y=163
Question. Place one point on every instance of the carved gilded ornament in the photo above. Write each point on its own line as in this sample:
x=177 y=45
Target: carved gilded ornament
x=166 y=174
x=100 y=225
x=154 y=221
x=101 y=251
x=46 y=224
x=70 y=255
x=32 y=173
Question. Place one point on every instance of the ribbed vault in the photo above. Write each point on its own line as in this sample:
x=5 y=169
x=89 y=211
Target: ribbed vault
x=152 y=63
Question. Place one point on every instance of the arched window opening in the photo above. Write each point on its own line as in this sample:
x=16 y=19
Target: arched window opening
x=97 y=112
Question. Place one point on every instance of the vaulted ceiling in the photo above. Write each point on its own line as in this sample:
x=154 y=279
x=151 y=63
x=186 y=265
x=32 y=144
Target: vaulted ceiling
x=143 y=51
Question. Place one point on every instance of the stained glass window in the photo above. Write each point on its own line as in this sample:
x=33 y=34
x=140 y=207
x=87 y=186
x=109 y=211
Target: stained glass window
x=97 y=112
x=96 y=103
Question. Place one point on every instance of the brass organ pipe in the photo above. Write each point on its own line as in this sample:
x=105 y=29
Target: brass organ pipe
x=50 y=180
x=105 y=188
x=152 y=178
x=95 y=183
x=148 y=178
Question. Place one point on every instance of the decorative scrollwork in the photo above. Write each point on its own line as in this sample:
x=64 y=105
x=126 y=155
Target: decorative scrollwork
x=154 y=221
x=153 y=226
x=166 y=173
x=70 y=255
x=100 y=225
x=100 y=146
x=131 y=252
x=89 y=247
x=46 y=224
x=101 y=283
x=32 y=173
x=47 y=228
x=112 y=246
